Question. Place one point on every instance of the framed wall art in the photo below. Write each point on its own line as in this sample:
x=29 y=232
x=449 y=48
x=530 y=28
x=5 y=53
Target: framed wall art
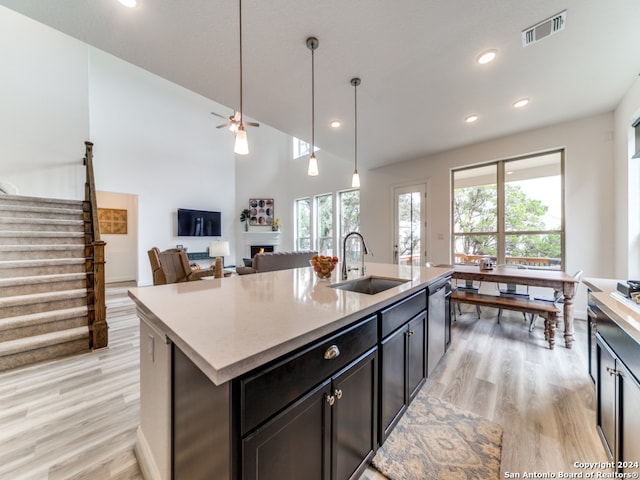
x=261 y=211
x=113 y=221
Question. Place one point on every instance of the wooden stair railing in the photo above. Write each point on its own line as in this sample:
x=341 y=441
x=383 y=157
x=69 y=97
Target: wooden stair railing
x=94 y=254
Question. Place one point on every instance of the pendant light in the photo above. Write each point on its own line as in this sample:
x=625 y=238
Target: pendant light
x=312 y=169
x=241 y=146
x=355 y=180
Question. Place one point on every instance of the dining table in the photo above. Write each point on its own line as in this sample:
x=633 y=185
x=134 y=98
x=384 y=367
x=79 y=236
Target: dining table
x=558 y=280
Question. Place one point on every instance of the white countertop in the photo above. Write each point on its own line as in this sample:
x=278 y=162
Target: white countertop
x=231 y=325
x=619 y=309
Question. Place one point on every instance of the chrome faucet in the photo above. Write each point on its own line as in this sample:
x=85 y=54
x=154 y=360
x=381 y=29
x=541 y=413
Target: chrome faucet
x=364 y=251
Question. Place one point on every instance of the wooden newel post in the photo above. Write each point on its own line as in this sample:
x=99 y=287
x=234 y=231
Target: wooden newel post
x=99 y=329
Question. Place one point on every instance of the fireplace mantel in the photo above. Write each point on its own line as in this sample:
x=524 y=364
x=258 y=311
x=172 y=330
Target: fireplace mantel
x=260 y=238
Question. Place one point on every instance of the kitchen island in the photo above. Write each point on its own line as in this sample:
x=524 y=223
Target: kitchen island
x=229 y=364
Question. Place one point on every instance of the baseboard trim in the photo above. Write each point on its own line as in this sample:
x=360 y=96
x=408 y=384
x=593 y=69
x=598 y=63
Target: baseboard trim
x=147 y=464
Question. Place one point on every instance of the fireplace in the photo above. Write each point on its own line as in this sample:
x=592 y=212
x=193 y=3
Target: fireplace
x=254 y=241
x=261 y=249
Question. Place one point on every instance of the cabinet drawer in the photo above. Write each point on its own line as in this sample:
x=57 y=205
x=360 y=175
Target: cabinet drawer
x=269 y=390
x=400 y=313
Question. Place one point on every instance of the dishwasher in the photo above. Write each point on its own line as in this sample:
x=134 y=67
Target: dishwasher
x=438 y=321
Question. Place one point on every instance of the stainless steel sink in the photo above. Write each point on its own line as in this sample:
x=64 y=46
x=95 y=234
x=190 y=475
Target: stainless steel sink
x=370 y=285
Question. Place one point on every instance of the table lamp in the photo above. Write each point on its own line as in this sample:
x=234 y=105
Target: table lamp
x=218 y=250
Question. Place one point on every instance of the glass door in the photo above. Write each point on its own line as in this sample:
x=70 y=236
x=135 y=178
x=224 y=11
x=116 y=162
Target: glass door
x=409 y=247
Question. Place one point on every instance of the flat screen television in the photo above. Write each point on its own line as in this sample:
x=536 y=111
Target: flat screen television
x=199 y=223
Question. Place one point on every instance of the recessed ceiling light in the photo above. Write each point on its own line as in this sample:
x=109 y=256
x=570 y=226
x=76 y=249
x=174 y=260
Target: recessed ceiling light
x=471 y=118
x=521 y=103
x=128 y=3
x=336 y=123
x=487 y=57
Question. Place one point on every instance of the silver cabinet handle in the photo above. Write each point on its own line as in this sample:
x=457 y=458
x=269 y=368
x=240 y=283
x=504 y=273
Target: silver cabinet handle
x=612 y=371
x=332 y=352
x=337 y=393
x=330 y=400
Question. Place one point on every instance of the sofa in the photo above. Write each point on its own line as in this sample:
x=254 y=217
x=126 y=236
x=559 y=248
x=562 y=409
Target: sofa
x=271 y=261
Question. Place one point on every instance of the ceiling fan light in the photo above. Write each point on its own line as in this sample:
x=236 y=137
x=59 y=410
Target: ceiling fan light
x=355 y=180
x=233 y=127
x=312 y=169
x=241 y=146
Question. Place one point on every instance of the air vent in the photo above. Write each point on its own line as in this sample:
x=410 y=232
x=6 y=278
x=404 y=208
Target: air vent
x=543 y=29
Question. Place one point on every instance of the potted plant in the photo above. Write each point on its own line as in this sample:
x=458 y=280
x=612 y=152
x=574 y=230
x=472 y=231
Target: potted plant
x=244 y=217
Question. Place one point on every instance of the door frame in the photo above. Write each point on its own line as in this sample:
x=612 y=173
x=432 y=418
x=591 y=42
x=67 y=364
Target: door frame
x=422 y=187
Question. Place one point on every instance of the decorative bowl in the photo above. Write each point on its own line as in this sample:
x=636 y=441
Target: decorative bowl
x=323 y=265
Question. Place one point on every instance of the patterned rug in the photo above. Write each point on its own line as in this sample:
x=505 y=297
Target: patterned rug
x=437 y=441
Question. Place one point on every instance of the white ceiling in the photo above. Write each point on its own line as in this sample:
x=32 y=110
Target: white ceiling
x=416 y=59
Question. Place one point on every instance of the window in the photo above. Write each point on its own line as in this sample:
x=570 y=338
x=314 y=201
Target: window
x=301 y=148
x=349 y=202
x=511 y=210
x=324 y=224
x=321 y=233
x=303 y=224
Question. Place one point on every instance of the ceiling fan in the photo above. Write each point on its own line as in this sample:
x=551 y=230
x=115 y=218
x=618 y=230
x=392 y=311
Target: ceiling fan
x=234 y=121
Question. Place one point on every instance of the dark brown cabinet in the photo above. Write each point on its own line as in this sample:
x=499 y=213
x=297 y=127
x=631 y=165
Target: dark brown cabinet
x=402 y=371
x=617 y=393
x=318 y=412
x=328 y=434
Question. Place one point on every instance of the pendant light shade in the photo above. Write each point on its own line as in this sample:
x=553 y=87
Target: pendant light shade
x=355 y=179
x=241 y=146
x=312 y=169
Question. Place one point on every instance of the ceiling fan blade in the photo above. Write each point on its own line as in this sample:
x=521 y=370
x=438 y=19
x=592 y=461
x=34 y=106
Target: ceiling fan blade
x=251 y=124
x=223 y=125
x=218 y=115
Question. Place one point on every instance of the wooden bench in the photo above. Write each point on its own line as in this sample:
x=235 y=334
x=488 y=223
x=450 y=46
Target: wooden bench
x=547 y=310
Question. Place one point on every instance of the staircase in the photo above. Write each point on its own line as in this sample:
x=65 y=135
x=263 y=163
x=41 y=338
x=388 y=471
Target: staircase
x=43 y=280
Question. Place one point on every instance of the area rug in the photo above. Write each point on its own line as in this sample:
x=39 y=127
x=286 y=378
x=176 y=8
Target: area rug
x=437 y=441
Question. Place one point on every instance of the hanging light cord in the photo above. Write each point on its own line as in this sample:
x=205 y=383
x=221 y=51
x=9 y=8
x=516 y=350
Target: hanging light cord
x=355 y=99
x=240 y=18
x=313 y=97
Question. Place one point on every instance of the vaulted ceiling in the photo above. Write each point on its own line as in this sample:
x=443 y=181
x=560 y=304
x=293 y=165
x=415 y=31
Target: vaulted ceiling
x=416 y=59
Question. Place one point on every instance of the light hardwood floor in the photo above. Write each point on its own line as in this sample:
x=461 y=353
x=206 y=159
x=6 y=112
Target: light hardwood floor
x=75 y=418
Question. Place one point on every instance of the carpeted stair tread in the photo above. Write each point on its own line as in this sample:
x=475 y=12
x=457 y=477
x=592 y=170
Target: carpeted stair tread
x=42 y=297
x=25 y=200
x=41 y=341
x=40 y=221
x=40 y=262
x=39 y=233
x=38 y=279
x=436 y=440
x=22 y=321
x=40 y=247
x=31 y=210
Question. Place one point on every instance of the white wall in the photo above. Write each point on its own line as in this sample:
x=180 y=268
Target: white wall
x=269 y=171
x=121 y=256
x=151 y=137
x=159 y=141
x=627 y=186
x=588 y=193
x=44 y=118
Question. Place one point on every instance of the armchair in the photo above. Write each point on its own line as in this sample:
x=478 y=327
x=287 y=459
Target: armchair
x=172 y=266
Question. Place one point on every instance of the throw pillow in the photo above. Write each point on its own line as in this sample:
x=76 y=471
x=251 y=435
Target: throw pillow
x=248 y=262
